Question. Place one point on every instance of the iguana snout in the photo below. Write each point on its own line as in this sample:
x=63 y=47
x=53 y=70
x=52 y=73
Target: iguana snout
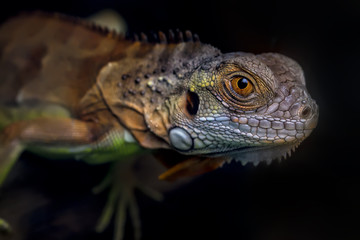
x=244 y=103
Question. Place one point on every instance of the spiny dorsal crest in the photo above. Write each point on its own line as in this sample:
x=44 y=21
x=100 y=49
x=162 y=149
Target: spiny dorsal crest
x=161 y=37
x=176 y=36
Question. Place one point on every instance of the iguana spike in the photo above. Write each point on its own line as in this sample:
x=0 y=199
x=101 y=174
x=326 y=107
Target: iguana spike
x=162 y=37
x=171 y=36
x=154 y=37
x=188 y=36
x=136 y=37
x=196 y=38
x=180 y=36
x=143 y=37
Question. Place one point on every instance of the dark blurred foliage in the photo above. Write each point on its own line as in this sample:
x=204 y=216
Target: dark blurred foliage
x=312 y=195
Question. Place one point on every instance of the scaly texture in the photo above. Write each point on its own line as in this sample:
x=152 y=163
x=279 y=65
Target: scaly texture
x=72 y=89
x=172 y=93
x=264 y=125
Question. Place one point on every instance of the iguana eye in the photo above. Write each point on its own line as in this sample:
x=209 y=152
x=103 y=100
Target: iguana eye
x=242 y=85
x=240 y=88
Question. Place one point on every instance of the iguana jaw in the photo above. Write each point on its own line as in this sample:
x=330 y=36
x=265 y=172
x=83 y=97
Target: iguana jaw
x=200 y=164
x=255 y=155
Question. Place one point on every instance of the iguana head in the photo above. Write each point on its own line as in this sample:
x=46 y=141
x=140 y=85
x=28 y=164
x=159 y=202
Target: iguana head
x=248 y=107
x=208 y=106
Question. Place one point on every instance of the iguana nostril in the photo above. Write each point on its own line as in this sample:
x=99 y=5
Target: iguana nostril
x=305 y=112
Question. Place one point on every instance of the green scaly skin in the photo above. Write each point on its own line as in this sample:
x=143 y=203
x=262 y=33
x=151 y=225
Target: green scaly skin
x=207 y=106
x=112 y=148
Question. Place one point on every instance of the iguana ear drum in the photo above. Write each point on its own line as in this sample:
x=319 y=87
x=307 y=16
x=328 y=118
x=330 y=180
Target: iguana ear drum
x=192 y=103
x=180 y=139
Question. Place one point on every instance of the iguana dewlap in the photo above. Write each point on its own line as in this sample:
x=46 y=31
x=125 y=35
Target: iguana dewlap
x=175 y=93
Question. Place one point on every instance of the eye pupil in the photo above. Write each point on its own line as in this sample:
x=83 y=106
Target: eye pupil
x=243 y=83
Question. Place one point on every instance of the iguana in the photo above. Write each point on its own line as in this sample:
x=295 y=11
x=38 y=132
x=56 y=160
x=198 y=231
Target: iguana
x=69 y=88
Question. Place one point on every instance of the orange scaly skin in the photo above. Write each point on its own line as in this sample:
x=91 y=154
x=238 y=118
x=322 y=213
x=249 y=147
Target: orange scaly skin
x=117 y=95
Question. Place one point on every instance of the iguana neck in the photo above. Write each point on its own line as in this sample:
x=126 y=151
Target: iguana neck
x=135 y=84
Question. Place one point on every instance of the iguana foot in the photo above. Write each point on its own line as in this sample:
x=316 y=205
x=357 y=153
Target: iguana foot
x=122 y=199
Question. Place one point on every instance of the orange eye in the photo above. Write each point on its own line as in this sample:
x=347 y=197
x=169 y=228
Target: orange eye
x=242 y=86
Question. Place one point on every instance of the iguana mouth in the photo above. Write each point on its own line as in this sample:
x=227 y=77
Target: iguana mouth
x=256 y=154
x=231 y=152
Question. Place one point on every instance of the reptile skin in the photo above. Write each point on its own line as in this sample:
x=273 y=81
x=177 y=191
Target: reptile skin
x=72 y=89
x=278 y=117
x=174 y=93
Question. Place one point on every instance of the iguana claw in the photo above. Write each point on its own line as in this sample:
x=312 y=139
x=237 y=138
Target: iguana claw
x=123 y=183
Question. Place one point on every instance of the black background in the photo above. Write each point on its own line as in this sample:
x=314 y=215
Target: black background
x=312 y=195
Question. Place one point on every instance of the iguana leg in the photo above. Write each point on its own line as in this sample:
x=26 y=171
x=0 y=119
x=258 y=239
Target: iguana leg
x=83 y=140
x=47 y=132
x=20 y=135
x=9 y=153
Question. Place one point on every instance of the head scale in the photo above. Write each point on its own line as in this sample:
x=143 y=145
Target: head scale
x=249 y=107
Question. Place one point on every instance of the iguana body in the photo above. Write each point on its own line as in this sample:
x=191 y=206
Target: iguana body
x=97 y=94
